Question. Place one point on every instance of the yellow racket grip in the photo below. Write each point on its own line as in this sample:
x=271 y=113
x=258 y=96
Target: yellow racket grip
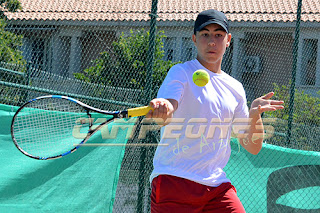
x=139 y=111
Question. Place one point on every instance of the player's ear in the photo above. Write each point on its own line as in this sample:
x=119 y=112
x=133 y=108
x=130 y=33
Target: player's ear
x=228 y=39
x=194 y=39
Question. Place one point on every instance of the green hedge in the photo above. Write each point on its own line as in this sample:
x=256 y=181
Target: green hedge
x=306 y=120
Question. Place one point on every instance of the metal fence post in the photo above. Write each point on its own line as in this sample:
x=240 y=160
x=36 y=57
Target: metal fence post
x=294 y=71
x=148 y=93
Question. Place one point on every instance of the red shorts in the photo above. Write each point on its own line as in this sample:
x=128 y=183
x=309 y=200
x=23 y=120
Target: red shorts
x=174 y=194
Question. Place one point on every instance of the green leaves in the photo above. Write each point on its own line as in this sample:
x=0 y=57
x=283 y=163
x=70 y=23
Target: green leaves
x=126 y=64
x=306 y=106
x=9 y=46
x=12 y=5
x=9 y=5
x=306 y=119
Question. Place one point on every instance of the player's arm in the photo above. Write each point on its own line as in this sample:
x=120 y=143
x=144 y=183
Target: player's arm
x=253 y=139
x=163 y=110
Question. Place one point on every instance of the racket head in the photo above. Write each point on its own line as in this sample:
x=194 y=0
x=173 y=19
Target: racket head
x=50 y=127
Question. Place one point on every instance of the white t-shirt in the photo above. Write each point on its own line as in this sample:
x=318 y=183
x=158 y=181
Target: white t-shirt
x=196 y=144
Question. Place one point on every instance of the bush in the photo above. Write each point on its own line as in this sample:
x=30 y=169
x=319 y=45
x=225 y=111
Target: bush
x=306 y=107
x=126 y=65
x=305 y=123
x=10 y=56
x=10 y=45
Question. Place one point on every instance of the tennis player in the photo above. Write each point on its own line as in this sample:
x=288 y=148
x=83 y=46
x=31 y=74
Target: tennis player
x=188 y=174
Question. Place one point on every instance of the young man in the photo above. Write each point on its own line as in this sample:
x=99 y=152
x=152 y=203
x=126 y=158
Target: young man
x=188 y=171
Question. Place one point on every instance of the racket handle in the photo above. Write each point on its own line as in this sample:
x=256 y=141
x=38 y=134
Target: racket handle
x=139 y=111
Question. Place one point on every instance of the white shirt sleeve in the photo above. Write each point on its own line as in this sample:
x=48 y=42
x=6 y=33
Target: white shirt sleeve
x=174 y=84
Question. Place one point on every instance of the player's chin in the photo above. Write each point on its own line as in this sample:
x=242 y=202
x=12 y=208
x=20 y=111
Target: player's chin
x=213 y=57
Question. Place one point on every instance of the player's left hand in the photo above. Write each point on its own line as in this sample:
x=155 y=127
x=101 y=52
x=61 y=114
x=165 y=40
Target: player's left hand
x=264 y=104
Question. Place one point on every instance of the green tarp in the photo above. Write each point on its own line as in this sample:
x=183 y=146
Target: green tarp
x=276 y=180
x=84 y=181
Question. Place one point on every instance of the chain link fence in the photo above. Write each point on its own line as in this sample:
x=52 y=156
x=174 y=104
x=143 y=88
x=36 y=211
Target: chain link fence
x=115 y=56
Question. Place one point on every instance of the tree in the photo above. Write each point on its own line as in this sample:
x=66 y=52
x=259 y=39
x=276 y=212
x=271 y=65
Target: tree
x=306 y=106
x=9 y=42
x=9 y=46
x=10 y=55
x=306 y=119
x=10 y=6
x=125 y=65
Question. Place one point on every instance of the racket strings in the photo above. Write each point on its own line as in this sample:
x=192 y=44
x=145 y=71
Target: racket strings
x=45 y=127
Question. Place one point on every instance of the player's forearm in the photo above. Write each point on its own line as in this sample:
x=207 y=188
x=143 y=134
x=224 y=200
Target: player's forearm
x=171 y=110
x=253 y=139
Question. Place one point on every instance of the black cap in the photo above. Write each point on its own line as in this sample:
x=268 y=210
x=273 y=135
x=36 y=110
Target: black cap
x=211 y=17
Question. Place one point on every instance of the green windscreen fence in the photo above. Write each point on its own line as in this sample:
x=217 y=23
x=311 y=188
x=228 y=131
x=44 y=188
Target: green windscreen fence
x=114 y=55
x=82 y=182
x=277 y=180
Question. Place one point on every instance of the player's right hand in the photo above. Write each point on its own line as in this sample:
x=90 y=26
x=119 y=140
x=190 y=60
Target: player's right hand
x=163 y=109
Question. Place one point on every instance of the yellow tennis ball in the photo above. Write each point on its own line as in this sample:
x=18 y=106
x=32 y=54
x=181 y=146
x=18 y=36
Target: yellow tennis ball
x=200 y=78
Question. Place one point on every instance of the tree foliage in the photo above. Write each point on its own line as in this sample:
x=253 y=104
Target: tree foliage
x=126 y=64
x=10 y=54
x=10 y=43
x=305 y=132
x=10 y=6
x=306 y=107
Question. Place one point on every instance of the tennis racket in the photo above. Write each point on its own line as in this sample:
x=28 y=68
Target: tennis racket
x=53 y=126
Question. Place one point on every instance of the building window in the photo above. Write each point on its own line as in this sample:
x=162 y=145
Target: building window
x=170 y=55
x=226 y=65
x=169 y=46
x=179 y=49
x=37 y=54
x=35 y=50
x=309 y=62
x=187 y=53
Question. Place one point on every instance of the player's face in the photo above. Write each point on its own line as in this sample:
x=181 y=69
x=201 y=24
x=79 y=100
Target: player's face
x=211 y=43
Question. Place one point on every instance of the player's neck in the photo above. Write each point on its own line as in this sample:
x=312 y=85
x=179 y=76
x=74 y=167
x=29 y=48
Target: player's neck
x=214 y=67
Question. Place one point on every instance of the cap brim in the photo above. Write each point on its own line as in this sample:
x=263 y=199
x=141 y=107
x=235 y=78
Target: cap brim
x=212 y=22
